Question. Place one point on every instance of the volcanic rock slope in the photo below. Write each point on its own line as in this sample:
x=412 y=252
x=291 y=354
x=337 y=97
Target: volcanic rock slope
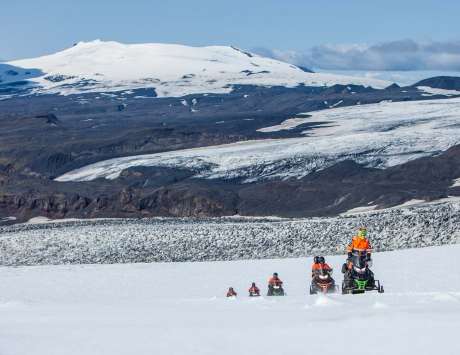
x=104 y=129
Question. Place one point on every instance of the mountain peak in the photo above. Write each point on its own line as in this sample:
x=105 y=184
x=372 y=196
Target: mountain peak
x=171 y=69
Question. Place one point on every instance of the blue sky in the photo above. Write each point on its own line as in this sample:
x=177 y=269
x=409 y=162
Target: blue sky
x=289 y=29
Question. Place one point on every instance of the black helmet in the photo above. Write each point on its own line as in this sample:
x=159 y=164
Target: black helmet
x=253 y=284
x=275 y=274
x=321 y=260
x=316 y=259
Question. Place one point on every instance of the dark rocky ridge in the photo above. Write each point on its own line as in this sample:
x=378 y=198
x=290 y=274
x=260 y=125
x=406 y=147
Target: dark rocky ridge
x=171 y=192
x=441 y=82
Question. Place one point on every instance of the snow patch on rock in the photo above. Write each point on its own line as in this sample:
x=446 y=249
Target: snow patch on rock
x=429 y=91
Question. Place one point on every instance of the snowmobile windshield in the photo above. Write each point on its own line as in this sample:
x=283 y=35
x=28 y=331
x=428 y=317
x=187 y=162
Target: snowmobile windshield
x=359 y=270
x=322 y=273
x=359 y=260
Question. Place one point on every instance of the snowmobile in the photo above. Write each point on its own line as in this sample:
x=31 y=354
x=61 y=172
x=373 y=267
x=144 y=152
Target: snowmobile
x=359 y=278
x=322 y=282
x=275 y=290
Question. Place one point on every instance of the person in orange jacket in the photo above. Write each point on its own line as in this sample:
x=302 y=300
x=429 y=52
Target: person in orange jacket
x=254 y=290
x=275 y=280
x=319 y=263
x=231 y=292
x=360 y=243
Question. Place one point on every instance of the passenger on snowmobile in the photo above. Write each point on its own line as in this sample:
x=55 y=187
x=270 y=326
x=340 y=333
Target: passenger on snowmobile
x=322 y=280
x=275 y=286
x=319 y=263
x=254 y=290
x=231 y=292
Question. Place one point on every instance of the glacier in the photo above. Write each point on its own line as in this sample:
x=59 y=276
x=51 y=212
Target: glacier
x=376 y=135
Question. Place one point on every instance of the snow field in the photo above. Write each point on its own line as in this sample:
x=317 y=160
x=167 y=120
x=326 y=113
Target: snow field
x=180 y=308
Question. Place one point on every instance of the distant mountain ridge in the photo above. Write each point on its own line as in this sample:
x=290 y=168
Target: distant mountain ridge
x=441 y=82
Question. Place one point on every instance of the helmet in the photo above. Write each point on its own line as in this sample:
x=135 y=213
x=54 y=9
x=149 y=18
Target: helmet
x=275 y=274
x=253 y=284
x=321 y=259
x=316 y=259
x=362 y=233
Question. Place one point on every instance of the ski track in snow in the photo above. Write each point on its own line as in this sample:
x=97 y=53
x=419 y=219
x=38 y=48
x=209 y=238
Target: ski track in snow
x=377 y=135
x=179 y=308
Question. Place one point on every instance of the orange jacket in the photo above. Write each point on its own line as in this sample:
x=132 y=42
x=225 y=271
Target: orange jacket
x=274 y=281
x=254 y=290
x=359 y=244
x=319 y=266
x=231 y=293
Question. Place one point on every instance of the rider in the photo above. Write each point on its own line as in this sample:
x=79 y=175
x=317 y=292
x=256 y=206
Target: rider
x=254 y=290
x=319 y=263
x=361 y=244
x=231 y=292
x=274 y=281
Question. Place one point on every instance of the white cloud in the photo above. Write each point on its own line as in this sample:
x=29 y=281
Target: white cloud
x=396 y=55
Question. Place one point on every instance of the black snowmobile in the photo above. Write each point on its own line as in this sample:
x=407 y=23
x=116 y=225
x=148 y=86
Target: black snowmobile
x=275 y=290
x=359 y=278
x=322 y=282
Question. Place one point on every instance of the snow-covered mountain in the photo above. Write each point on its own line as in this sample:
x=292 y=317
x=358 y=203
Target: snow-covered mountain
x=246 y=119
x=170 y=69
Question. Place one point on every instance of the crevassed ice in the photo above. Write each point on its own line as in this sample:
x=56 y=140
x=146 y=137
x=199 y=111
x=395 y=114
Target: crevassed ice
x=377 y=135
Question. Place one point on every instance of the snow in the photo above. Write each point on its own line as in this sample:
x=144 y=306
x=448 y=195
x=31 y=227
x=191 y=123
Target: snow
x=179 y=308
x=361 y=209
x=402 y=78
x=7 y=219
x=429 y=91
x=376 y=135
x=336 y=104
x=410 y=203
x=173 y=70
x=45 y=220
x=456 y=183
x=290 y=123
